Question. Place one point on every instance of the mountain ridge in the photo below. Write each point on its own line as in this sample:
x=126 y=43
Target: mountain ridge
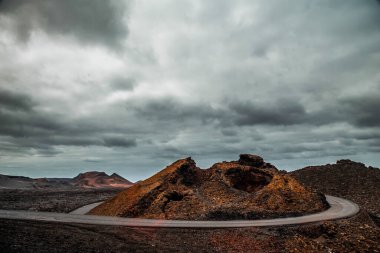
x=90 y=179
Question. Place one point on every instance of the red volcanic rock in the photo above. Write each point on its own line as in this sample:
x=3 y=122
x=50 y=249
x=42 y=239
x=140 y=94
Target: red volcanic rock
x=244 y=189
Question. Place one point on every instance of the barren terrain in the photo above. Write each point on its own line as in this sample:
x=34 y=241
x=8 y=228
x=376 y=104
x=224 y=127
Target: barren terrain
x=356 y=234
x=61 y=201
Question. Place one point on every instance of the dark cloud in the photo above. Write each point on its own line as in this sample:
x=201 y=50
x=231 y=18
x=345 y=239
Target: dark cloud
x=14 y=101
x=173 y=110
x=19 y=119
x=29 y=128
x=363 y=111
x=119 y=142
x=47 y=151
x=284 y=112
x=360 y=111
x=26 y=127
x=90 y=21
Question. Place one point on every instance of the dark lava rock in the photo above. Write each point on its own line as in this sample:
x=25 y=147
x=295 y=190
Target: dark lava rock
x=349 y=162
x=347 y=179
x=251 y=160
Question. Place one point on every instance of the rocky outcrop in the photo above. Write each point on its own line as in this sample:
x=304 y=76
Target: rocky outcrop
x=246 y=189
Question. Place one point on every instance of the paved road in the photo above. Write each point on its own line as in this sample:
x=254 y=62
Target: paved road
x=340 y=208
x=85 y=209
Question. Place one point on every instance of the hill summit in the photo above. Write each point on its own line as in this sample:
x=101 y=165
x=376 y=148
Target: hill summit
x=248 y=188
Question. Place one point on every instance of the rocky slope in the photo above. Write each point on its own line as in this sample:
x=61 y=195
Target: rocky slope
x=246 y=189
x=347 y=179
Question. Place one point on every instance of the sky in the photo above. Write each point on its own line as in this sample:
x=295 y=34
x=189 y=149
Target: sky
x=131 y=86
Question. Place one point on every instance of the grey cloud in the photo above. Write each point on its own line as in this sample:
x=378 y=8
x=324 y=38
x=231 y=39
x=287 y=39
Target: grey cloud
x=368 y=135
x=93 y=159
x=25 y=123
x=363 y=110
x=46 y=151
x=119 y=142
x=73 y=139
x=228 y=132
x=90 y=21
x=14 y=101
x=172 y=109
x=290 y=80
x=277 y=113
x=123 y=83
x=360 y=110
x=26 y=128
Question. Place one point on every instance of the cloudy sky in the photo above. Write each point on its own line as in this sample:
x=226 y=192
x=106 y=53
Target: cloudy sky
x=132 y=86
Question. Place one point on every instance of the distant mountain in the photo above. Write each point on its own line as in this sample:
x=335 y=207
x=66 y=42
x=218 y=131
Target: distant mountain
x=92 y=179
x=100 y=179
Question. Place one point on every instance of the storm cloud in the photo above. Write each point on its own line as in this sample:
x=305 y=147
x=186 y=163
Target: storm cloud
x=130 y=86
x=90 y=21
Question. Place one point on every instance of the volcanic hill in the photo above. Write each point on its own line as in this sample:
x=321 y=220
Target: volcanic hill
x=246 y=189
x=100 y=179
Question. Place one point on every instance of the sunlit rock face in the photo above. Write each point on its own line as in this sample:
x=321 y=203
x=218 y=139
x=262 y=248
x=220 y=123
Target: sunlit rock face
x=248 y=188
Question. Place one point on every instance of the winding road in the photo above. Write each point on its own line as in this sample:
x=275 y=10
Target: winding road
x=340 y=208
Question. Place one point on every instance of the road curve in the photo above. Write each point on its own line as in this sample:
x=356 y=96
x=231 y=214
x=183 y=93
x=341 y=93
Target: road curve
x=85 y=209
x=340 y=208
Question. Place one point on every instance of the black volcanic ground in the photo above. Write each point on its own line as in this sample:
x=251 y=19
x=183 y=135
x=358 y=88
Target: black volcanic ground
x=346 y=179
